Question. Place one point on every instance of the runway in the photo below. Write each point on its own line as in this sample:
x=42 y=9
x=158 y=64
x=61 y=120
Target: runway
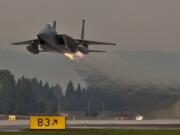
x=125 y=124
x=18 y=125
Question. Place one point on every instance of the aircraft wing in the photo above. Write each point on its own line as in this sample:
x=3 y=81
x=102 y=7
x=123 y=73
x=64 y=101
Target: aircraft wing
x=25 y=42
x=93 y=42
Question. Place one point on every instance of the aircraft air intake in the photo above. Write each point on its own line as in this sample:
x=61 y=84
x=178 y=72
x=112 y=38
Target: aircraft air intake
x=33 y=49
x=83 y=49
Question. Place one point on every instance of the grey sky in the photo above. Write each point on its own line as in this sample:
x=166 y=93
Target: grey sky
x=136 y=24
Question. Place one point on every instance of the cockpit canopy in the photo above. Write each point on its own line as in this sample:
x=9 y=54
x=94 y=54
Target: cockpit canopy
x=48 y=30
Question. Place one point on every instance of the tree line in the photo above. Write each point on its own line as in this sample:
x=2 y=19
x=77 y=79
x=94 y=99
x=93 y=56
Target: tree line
x=26 y=96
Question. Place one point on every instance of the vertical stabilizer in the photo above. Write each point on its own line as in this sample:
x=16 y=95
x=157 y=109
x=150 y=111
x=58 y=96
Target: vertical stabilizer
x=54 y=24
x=83 y=29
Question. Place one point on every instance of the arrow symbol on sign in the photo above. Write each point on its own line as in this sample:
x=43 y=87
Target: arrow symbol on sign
x=55 y=121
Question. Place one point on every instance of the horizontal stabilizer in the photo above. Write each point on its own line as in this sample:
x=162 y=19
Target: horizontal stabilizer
x=93 y=42
x=99 y=51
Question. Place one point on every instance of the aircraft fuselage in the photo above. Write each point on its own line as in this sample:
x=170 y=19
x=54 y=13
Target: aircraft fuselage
x=51 y=41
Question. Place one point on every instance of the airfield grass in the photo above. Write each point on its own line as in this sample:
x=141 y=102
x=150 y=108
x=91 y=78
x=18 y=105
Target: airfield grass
x=96 y=132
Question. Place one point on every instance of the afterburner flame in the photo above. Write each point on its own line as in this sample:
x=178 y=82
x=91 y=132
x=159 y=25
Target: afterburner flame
x=73 y=56
x=69 y=56
x=79 y=54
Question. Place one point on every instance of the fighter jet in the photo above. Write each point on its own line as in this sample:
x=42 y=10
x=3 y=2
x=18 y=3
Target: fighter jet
x=48 y=40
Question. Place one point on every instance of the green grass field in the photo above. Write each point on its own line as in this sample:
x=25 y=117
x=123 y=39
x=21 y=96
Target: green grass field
x=97 y=132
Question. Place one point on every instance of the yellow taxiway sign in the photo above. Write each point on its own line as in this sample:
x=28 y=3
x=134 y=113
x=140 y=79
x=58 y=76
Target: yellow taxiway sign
x=47 y=122
x=12 y=117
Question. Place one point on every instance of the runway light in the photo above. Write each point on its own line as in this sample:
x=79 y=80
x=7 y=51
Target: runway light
x=139 y=117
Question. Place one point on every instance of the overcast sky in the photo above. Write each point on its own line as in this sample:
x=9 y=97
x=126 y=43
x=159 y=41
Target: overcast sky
x=137 y=25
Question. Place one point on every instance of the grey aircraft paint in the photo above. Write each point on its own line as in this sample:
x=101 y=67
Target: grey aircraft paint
x=48 y=40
